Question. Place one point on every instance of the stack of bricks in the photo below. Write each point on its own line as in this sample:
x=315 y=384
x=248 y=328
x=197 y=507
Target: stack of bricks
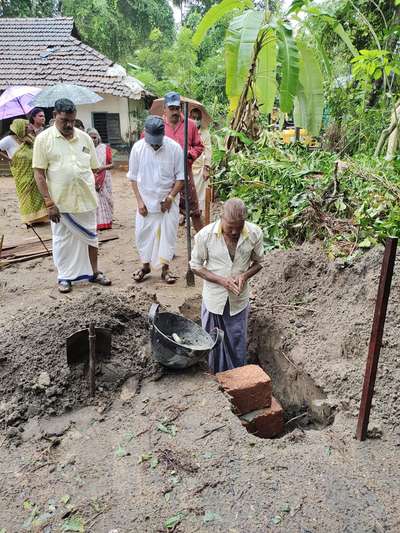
x=250 y=391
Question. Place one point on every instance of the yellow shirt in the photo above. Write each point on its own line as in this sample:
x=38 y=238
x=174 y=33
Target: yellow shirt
x=210 y=251
x=68 y=164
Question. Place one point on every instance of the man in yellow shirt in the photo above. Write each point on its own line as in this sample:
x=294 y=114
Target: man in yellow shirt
x=64 y=159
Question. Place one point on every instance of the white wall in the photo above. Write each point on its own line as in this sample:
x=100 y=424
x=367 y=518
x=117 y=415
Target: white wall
x=109 y=104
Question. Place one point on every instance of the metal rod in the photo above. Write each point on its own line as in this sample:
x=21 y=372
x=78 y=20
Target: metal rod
x=189 y=274
x=39 y=237
x=375 y=342
x=207 y=206
x=92 y=360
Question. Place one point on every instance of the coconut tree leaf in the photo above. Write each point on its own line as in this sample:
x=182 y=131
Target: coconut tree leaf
x=310 y=99
x=288 y=57
x=216 y=13
x=239 y=46
x=266 y=71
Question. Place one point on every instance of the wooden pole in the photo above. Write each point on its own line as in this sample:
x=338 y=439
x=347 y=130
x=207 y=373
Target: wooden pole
x=375 y=342
x=92 y=360
x=207 y=210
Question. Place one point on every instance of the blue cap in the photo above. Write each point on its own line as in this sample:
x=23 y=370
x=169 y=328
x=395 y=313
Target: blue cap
x=154 y=130
x=172 y=99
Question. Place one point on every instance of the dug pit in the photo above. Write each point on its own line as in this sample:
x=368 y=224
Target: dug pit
x=305 y=403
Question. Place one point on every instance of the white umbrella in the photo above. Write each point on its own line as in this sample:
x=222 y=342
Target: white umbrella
x=76 y=93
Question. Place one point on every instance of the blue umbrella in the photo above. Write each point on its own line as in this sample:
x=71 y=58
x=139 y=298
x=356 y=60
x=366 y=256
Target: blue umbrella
x=76 y=93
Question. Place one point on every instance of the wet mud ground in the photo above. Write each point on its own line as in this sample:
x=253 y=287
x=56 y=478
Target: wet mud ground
x=158 y=451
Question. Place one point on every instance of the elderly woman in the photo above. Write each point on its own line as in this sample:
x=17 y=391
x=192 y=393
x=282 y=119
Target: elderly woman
x=103 y=181
x=37 y=120
x=31 y=202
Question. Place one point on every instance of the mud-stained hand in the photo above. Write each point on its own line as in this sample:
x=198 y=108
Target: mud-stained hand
x=142 y=210
x=206 y=173
x=240 y=282
x=53 y=213
x=230 y=285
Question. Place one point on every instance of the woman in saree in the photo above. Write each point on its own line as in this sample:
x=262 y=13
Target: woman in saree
x=103 y=181
x=31 y=204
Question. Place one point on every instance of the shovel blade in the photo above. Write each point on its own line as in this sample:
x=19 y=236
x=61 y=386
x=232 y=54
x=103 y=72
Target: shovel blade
x=78 y=346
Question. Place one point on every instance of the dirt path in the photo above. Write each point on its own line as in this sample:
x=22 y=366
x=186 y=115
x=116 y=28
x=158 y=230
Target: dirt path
x=156 y=451
x=34 y=282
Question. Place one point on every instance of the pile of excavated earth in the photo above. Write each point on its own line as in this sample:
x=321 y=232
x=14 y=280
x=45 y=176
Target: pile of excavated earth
x=310 y=329
x=35 y=378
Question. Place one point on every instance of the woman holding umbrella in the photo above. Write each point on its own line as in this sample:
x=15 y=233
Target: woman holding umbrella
x=31 y=203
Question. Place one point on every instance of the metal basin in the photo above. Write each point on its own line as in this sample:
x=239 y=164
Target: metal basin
x=195 y=343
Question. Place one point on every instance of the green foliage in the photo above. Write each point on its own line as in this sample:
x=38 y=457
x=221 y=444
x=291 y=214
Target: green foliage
x=26 y=8
x=239 y=47
x=164 y=68
x=215 y=14
x=289 y=60
x=117 y=27
x=291 y=194
x=266 y=71
x=310 y=99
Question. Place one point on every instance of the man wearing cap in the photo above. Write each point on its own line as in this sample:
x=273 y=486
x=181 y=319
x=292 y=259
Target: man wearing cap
x=175 y=129
x=156 y=173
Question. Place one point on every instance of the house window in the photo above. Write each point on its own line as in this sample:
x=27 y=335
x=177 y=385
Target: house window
x=108 y=125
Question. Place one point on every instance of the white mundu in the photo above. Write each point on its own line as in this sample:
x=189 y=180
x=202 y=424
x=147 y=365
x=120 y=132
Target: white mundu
x=155 y=172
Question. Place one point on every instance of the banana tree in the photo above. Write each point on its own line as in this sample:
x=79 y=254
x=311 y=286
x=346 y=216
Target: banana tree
x=256 y=43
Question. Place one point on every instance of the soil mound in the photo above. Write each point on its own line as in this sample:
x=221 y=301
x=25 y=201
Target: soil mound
x=311 y=319
x=34 y=376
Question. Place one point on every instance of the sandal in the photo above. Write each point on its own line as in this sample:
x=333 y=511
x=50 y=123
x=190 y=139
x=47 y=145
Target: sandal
x=100 y=278
x=64 y=286
x=169 y=278
x=140 y=274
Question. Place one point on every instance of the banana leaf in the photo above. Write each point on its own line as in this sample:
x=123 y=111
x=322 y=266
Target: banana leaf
x=239 y=47
x=309 y=103
x=216 y=13
x=266 y=72
x=288 y=57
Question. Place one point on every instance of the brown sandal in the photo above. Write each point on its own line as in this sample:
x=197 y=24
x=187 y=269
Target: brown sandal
x=140 y=274
x=169 y=278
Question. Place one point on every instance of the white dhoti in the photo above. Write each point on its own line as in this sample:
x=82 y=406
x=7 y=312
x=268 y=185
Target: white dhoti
x=156 y=236
x=71 y=238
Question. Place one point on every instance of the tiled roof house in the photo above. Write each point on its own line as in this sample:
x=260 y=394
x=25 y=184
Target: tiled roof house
x=44 y=51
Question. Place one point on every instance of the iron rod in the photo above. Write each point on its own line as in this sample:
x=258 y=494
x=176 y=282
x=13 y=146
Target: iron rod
x=189 y=274
x=375 y=342
x=92 y=360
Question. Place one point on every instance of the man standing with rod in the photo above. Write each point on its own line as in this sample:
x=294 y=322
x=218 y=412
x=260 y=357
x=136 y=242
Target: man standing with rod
x=175 y=129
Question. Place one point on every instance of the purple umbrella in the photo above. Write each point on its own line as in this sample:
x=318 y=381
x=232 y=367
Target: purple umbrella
x=15 y=101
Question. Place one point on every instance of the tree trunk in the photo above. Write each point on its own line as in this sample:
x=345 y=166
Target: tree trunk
x=394 y=121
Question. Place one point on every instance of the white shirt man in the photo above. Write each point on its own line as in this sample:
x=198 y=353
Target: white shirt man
x=226 y=255
x=156 y=171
